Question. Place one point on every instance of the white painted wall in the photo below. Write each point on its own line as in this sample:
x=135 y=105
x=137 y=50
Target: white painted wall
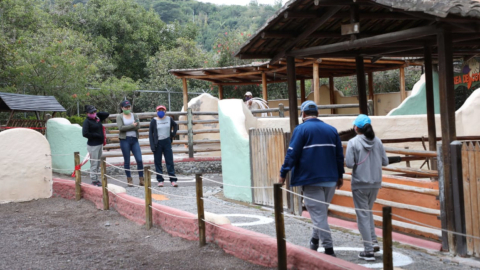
x=25 y=166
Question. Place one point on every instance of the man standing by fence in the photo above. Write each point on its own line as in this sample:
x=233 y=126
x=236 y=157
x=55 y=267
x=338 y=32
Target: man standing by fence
x=315 y=157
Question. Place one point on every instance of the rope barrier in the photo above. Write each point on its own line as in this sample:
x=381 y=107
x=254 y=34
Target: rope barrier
x=247 y=234
x=111 y=165
x=356 y=209
x=188 y=197
x=158 y=210
x=122 y=181
x=234 y=207
x=208 y=179
x=169 y=176
x=432 y=227
x=323 y=230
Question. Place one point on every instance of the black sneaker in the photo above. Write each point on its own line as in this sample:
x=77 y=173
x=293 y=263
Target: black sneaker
x=329 y=251
x=97 y=183
x=367 y=256
x=314 y=244
x=376 y=247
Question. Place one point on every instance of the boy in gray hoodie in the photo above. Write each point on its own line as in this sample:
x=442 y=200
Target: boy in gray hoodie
x=366 y=156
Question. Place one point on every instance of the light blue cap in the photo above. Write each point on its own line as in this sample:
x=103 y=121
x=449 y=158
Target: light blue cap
x=309 y=106
x=362 y=120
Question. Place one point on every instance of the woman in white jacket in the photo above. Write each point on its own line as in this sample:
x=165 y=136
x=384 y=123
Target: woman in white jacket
x=366 y=156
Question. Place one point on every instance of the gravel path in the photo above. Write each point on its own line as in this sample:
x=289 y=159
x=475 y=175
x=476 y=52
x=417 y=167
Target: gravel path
x=62 y=234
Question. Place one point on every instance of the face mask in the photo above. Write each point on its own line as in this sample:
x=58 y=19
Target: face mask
x=126 y=111
x=247 y=98
x=161 y=114
x=92 y=115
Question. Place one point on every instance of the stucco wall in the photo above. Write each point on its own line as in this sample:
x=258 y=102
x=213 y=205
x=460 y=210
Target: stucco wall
x=65 y=139
x=416 y=103
x=235 y=118
x=25 y=166
x=203 y=103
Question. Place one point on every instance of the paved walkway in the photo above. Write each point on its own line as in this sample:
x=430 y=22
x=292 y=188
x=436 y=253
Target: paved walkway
x=260 y=219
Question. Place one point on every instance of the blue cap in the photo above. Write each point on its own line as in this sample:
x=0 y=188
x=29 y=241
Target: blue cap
x=125 y=104
x=309 y=106
x=362 y=120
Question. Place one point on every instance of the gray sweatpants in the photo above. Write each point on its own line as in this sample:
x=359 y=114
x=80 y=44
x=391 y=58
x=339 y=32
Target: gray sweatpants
x=319 y=212
x=364 y=199
x=95 y=153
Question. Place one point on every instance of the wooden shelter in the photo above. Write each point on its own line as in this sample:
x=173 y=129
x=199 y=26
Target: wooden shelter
x=15 y=103
x=373 y=29
x=265 y=73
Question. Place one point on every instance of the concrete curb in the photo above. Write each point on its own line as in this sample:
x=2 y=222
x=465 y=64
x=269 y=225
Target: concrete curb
x=250 y=246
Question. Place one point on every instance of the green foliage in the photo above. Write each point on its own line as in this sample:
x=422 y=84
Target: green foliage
x=76 y=119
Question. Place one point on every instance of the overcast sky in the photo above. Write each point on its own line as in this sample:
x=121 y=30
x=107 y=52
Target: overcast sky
x=238 y=2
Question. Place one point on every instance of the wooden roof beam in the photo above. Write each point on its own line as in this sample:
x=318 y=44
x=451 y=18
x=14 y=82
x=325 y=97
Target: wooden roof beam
x=312 y=28
x=367 y=42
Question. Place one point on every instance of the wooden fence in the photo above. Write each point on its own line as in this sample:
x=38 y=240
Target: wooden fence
x=113 y=141
x=38 y=125
x=471 y=192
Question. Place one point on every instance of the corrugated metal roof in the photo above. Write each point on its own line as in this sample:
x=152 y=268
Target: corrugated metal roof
x=19 y=102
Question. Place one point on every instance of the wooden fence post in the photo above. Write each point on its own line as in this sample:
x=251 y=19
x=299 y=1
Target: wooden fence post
x=441 y=198
x=407 y=163
x=78 y=177
x=106 y=204
x=281 y=110
x=190 y=132
x=280 y=227
x=387 y=238
x=458 y=198
x=201 y=213
x=148 y=197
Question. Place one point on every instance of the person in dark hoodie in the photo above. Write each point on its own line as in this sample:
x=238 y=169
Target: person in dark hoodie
x=94 y=131
x=161 y=133
x=315 y=157
x=366 y=156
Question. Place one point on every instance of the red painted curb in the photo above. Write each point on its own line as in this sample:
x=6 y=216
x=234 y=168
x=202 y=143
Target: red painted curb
x=251 y=246
x=401 y=238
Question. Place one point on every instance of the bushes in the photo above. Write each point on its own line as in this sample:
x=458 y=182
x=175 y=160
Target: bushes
x=76 y=119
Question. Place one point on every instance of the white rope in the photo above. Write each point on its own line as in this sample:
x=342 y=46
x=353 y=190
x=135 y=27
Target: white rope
x=235 y=207
x=323 y=230
x=356 y=209
x=208 y=179
x=51 y=155
x=122 y=181
x=262 y=236
x=329 y=261
x=432 y=227
x=169 y=176
x=111 y=165
x=188 y=197
x=158 y=210
x=125 y=198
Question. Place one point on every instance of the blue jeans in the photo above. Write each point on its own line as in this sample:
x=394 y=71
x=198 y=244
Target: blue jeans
x=164 y=147
x=127 y=145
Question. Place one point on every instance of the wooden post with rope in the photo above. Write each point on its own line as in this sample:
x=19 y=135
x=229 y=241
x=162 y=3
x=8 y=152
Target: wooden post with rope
x=387 y=238
x=78 y=177
x=280 y=226
x=148 y=197
x=106 y=204
x=201 y=213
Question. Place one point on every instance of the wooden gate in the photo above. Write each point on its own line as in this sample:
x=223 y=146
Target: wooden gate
x=471 y=190
x=267 y=153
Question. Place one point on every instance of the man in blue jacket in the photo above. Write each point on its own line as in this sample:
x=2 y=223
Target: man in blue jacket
x=315 y=157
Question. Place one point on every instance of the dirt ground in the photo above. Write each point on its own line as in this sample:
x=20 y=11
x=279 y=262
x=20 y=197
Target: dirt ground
x=62 y=234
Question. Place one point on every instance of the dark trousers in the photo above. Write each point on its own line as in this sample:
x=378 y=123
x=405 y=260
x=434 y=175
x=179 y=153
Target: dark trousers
x=164 y=147
x=127 y=145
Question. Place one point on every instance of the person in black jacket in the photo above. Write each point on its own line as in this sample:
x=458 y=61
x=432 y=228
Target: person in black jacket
x=161 y=133
x=94 y=131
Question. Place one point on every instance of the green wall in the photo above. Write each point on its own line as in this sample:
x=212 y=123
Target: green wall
x=235 y=151
x=416 y=103
x=65 y=139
